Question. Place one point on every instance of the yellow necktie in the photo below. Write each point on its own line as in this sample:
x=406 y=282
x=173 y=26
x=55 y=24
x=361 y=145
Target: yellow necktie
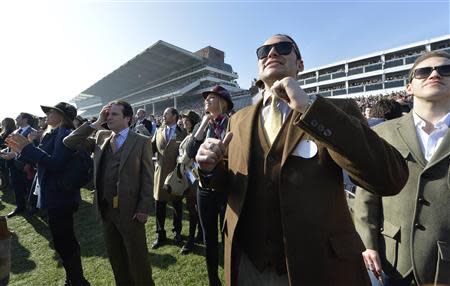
x=274 y=120
x=113 y=142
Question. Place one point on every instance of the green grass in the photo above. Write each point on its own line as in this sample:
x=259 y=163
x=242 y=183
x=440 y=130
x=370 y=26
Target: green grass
x=34 y=261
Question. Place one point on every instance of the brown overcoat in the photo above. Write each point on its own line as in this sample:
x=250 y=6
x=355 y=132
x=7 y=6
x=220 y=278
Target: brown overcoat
x=320 y=240
x=166 y=159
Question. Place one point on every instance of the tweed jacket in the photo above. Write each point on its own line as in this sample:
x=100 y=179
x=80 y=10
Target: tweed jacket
x=166 y=159
x=135 y=171
x=320 y=241
x=411 y=231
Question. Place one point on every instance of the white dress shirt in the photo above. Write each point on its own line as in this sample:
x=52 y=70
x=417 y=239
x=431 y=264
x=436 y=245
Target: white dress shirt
x=429 y=143
x=282 y=105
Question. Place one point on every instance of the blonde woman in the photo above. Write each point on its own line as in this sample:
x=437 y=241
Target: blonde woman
x=211 y=205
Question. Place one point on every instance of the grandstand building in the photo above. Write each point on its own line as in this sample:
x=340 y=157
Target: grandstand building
x=163 y=76
x=381 y=72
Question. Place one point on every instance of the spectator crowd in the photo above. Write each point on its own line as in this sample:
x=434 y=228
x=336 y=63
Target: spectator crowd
x=267 y=181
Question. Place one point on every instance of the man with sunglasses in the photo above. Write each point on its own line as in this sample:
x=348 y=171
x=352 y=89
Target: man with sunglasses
x=287 y=220
x=407 y=236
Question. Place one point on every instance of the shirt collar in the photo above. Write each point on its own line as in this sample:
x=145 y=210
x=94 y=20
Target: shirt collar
x=123 y=133
x=444 y=122
x=266 y=96
x=172 y=126
x=25 y=127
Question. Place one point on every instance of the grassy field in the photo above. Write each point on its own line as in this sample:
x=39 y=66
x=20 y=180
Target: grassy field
x=34 y=262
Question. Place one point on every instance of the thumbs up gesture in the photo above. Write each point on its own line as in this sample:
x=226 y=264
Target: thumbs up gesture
x=212 y=151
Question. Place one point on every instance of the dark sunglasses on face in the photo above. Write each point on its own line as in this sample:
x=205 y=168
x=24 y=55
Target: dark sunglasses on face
x=425 y=72
x=282 y=48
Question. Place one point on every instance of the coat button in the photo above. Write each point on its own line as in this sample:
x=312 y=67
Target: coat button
x=321 y=128
x=419 y=226
x=327 y=133
x=314 y=123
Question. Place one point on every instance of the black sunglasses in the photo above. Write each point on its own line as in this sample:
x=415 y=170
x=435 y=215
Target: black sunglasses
x=282 y=48
x=422 y=73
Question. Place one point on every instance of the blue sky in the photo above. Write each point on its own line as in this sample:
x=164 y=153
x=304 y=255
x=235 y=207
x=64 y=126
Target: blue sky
x=53 y=50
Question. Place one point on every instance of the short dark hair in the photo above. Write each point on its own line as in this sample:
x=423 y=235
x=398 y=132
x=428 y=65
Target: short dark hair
x=433 y=54
x=28 y=117
x=387 y=109
x=175 y=112
x=127 y=110
x=296 y=49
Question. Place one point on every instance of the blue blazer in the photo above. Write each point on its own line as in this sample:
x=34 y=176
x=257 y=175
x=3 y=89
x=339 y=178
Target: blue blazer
x=51 y=158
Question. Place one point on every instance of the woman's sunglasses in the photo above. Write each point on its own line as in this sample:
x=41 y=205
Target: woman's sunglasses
x=282 y=48
x=422 y=73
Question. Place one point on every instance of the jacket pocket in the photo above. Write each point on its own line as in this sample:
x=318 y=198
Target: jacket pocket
x=391 y=234
x=443 y=263
x=345 y=246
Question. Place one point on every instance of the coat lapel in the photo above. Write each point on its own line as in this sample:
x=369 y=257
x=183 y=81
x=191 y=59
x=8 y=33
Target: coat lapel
x=244 y=139
x=107 y=135
x=407 y=132
x=293 y=136
x=126 y=148
x=442 y=152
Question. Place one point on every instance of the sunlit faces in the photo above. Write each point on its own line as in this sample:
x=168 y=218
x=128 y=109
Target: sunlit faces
x=212 y=103
x=168 y=117
x=140 y=114
x=54 y=118
x=187 y=124
x=435 y=87
x=116 y=120
x=275 y=66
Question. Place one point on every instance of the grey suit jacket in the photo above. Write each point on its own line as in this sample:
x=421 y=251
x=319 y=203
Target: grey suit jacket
x=135 y=171
x=411 y=230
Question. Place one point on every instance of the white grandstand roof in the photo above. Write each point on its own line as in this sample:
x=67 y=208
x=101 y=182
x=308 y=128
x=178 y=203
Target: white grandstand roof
x=159 y=61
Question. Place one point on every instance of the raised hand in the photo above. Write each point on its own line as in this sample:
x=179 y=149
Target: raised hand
x=290 y=91
x=17 y=142
x=212 y=151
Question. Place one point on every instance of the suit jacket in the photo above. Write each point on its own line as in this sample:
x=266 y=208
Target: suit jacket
x=320 y=241
x=411 y=231
x=135 y=171
x=51 y=157
x=166 y=159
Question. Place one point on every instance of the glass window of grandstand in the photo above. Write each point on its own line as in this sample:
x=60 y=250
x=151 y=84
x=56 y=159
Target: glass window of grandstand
x=365 y=84
x=365 y=65
x=311 y=90
x=441 y=45
x=332 y=89
x=332 y=73
x=307 y=78
x=396 y=79
x=403 y=57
